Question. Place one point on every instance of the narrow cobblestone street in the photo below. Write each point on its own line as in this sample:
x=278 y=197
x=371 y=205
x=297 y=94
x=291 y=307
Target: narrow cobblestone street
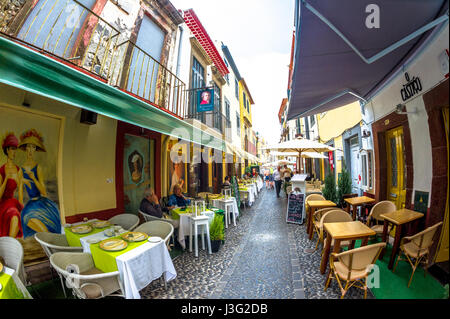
x=263 y=258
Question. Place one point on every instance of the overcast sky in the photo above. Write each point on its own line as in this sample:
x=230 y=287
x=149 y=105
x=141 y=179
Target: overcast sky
x=258 y=34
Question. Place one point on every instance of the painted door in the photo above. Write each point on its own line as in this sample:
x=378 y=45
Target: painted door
x=144 y=66
x=354 y=164
x=54 y=25
x=443 y=248
x=396 y=170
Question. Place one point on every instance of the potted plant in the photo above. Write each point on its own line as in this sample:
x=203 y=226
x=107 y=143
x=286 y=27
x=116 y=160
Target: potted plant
x=344 y=186
x=216 y=232
x=329 y=190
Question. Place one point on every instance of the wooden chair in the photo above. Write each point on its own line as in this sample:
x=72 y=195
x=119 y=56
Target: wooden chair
x=382 y=207
x=81 y=275
x=416 y=248
x=334 y=216
x=353 y=266
x=316 y=222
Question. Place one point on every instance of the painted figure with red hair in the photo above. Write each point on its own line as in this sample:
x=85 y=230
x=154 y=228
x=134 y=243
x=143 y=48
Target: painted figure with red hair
x=10 y=181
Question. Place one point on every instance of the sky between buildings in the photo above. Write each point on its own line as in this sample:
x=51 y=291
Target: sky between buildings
x=258 y=34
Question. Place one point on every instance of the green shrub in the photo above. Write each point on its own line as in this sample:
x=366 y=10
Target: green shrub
x=329 y=190
x=216 y=230
x=344 y=186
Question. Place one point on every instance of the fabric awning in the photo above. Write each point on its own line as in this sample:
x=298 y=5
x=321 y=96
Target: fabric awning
x=342 y=57
x=31 y=71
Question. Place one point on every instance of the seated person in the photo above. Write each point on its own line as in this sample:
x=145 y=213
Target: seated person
x=150 y=204
x=227 y=182
x=177 y=199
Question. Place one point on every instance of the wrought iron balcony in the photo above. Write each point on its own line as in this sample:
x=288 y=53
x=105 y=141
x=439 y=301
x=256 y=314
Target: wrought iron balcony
x=136 y=72
x=64 y=29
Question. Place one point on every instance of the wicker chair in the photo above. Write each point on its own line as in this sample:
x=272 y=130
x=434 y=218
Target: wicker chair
x=81 y=275
x=157 y=228
x=174 y=223
x=416 y=248
x=316 y=222
x=52 y=243
x=353 y=266
x=334 y=216
x=312 y=197
x=12 y=252
x=127 y=221
x=382 y=207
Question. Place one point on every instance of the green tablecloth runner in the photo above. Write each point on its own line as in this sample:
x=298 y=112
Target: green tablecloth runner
x=105 y=260
x=9 y=288
x=176 y=212
x=74 y=239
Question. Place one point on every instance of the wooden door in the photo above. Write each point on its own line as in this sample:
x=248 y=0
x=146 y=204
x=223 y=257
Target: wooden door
x=396 y=170
x=443 y=249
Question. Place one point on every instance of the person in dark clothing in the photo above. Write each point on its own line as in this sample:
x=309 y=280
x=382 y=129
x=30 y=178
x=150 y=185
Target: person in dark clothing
x=150 y=204
x=227 y=182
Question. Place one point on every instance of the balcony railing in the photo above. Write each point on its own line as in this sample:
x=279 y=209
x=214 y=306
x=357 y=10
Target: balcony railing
x=136 y=72
x=64 y=29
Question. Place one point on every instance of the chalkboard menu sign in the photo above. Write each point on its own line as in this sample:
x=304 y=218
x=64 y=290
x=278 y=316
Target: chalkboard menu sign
x=295 y=208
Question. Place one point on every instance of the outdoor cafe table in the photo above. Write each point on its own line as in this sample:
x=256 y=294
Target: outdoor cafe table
x=357 y=201
x=340 y=232
x=313 y=206
x=11 y=286
x=185 y=223
x=138 y=265
x=250 y=190
x=220 y=202
x=400 y=218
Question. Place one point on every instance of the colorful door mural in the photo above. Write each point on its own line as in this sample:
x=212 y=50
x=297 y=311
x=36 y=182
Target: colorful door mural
x=29 y=199
x=396 y=169
x=138 y=168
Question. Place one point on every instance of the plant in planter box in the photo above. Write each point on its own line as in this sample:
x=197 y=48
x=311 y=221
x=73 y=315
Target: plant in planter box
x=344 y=186
x=329 y=190
x=216 y=232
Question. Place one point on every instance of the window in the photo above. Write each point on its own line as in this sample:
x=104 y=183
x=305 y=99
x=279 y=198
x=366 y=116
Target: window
x=217 y=100
x=367 y=169
x=198 y=73
x=312 y=120
x=244 y=100
x=236 y=88
x=238 y=123
x=227 y=108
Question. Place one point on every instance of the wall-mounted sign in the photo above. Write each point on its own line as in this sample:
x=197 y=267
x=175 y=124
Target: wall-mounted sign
x=205 y=100
x=411 y=88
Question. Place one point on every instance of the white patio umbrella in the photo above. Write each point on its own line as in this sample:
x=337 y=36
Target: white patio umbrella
x=300 y=145
x=313 y=155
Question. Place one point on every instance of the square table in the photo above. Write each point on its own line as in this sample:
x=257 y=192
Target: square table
x=74 y=239
x=313 y=206
x=340 y=232
x=357 y=201
x=399 y=218
x=221 y=203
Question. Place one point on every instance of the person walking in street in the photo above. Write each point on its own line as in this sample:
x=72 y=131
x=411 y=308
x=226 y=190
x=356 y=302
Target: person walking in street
x=277 y=179
x=287 y=174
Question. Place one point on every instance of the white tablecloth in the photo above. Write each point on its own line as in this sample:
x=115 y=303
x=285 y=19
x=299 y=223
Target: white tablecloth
x=185 y=223
x=100 y=236
x=140 y=266
x=17 y=281
x=252 y=193
x=259 y=184
x=220 y=203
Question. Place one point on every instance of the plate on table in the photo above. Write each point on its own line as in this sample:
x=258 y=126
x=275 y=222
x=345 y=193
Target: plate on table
x=81 y=229
x=154 y=239
x=101 y=224
x=113 y=244
x=94 y=240
x=134 y=236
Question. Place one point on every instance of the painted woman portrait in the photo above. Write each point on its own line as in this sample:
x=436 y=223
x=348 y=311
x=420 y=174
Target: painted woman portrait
x=135 y=163
x=40 y=214
x=10 y=182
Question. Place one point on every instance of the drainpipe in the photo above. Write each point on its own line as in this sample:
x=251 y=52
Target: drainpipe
x=180 y=44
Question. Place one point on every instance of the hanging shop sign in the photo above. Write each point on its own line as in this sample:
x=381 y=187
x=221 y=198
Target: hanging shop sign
x=205 y=100
x=330 y=159
x=411 y=88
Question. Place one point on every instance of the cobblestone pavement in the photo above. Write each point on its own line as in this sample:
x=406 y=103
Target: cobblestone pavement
x=263 y=257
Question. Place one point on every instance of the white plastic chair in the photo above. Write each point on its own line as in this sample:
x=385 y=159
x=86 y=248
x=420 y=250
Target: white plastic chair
x=158 y=228
x=81 y=275
x=127 y=221
x=12 y=252
x=149 y=218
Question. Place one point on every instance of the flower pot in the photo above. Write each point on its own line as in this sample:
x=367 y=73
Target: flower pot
x=215 y=245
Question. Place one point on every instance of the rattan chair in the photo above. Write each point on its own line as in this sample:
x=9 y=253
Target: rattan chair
x=416 y=248
x=312 y=197
x=334 y=216
x=174 y=223
x=127 y=221
x=52 y=243
x=353 y=266
x=158 y=228
x=316 y=222
x=382 y=207
x=81 y=275
x=12 y=252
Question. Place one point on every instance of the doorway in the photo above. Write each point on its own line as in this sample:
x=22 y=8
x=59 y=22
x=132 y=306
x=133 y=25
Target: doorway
x=354 y=164
x=396 y=168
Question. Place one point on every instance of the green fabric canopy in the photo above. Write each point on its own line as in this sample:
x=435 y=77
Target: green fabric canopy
x=31 y=71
